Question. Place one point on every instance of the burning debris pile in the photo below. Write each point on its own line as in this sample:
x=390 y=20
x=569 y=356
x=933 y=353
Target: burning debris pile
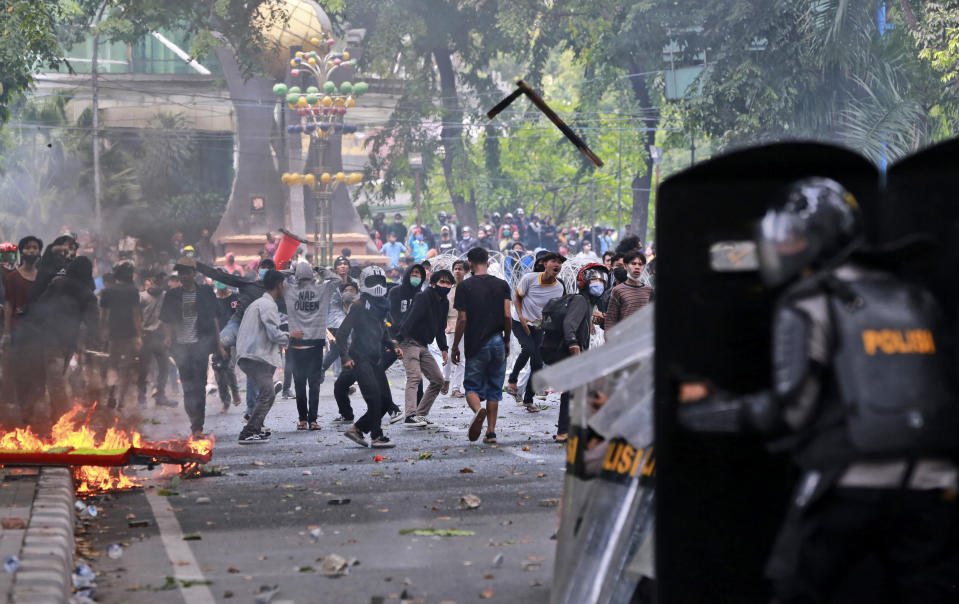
x=96 y=460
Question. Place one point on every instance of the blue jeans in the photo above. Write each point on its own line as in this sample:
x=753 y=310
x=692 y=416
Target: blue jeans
x=486 y=370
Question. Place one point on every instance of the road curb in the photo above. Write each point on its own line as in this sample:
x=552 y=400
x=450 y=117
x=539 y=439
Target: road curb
x=46 y=559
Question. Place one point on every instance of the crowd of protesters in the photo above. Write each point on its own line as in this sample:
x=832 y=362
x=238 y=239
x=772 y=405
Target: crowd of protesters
x=80 y=324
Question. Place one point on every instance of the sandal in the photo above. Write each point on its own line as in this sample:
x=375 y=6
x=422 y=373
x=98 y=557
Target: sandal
x=315 y=426
x=560 y=438
x=301 y=425
x=531 y=408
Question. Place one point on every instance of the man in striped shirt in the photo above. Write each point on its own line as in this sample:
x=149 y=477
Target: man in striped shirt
x=628 y=297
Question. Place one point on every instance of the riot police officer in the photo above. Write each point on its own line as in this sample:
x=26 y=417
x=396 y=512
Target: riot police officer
x=862 y=397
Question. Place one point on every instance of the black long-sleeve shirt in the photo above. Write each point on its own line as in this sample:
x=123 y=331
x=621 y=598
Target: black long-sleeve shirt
x=248 y=291
x=427 y=319
x=370 y=339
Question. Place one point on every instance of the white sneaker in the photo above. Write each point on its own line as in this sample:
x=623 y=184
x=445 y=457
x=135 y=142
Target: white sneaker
x=395 y=416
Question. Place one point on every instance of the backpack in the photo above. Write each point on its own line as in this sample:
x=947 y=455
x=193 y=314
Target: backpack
x=554 y=314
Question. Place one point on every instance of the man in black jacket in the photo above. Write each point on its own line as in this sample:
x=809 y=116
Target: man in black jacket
x=425 y=322
x=592 y=282
x=365 y=330
x=189 y=312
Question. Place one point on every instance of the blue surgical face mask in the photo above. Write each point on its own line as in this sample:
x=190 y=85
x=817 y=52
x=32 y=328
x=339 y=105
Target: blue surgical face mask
x=415 y=281
x=419 y=238
x=262 y=273
x=596 y=289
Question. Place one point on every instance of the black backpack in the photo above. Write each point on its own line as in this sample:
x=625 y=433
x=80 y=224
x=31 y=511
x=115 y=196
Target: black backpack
x=554 y=314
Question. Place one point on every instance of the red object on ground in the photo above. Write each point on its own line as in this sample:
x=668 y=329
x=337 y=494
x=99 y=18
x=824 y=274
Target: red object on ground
x=286 y=249
x=378 y=458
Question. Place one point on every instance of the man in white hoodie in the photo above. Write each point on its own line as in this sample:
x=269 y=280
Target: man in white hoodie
x=258 y=347
x=307 y=307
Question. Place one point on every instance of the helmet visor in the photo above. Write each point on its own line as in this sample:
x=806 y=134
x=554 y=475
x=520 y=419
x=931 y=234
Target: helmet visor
x=783 y=247
x=373 y=280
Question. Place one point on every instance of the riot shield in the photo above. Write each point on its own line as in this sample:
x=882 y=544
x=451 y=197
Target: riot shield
x=720 y=499
x=922 y=201
x=606 y=513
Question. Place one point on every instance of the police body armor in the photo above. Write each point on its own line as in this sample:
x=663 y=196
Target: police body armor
x=893 y=367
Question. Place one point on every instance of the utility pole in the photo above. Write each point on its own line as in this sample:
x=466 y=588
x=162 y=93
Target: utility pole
x=94 y=72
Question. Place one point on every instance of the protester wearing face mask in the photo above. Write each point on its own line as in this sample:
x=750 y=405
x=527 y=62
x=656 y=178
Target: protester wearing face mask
x=425 y=323
x=401 y=301
x=365 y=330
x=630 y=296
x=418 y=247
x=568 y=325
x=18 y=283
x=308 y=303
x=55 y=258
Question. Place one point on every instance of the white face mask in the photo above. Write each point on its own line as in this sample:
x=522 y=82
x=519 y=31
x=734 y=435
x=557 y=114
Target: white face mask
x=596 y=289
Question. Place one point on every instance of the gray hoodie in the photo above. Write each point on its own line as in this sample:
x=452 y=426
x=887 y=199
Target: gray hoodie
x=308 y=302
x=260 y=338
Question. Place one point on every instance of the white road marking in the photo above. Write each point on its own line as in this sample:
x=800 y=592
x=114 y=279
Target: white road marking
x=178 y=551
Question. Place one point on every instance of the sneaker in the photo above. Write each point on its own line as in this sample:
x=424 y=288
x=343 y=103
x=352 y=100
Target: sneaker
x=254 y=439
x=425 y=420
x=414 y=422
x=288 y=395
x=458 y=394
x=395 y=415
x=490 y=438
x=383 y=442
x=342 y=420
x=277 y=387
x=476 y=426
x=199 y=435
x=353 y=433
x=267 y=431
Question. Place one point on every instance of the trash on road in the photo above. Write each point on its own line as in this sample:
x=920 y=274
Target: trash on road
x=466 y=471
x=192 y=537
x=486 y=594
x=202 y=500
x=378 y=458
x=115 y=551
x=435 y=532
x=469 y=502
x=136 y=523
x=549 y=503
x=335 y=565
x=267 y=593
x=338 y=501
x=497 y=561
x=11 y=564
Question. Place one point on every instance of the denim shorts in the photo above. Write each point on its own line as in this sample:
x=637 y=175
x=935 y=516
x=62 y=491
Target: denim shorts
x=486 y=370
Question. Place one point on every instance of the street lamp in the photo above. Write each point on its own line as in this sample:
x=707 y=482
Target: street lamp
x=416 y=165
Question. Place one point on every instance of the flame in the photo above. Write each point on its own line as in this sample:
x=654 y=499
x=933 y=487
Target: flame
x=72 y=431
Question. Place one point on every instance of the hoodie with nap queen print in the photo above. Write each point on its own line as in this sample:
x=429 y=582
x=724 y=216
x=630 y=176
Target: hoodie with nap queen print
x=308 y=303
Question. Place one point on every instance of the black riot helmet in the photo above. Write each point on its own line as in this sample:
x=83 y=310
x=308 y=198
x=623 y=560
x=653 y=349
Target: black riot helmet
x=818 y=223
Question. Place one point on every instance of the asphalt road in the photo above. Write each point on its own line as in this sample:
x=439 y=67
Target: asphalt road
x=267 y=523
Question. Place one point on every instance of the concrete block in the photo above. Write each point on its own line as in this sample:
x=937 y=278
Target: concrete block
x=38 y=578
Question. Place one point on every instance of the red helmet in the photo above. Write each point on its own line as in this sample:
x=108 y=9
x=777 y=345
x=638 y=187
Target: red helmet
x=586 y=273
